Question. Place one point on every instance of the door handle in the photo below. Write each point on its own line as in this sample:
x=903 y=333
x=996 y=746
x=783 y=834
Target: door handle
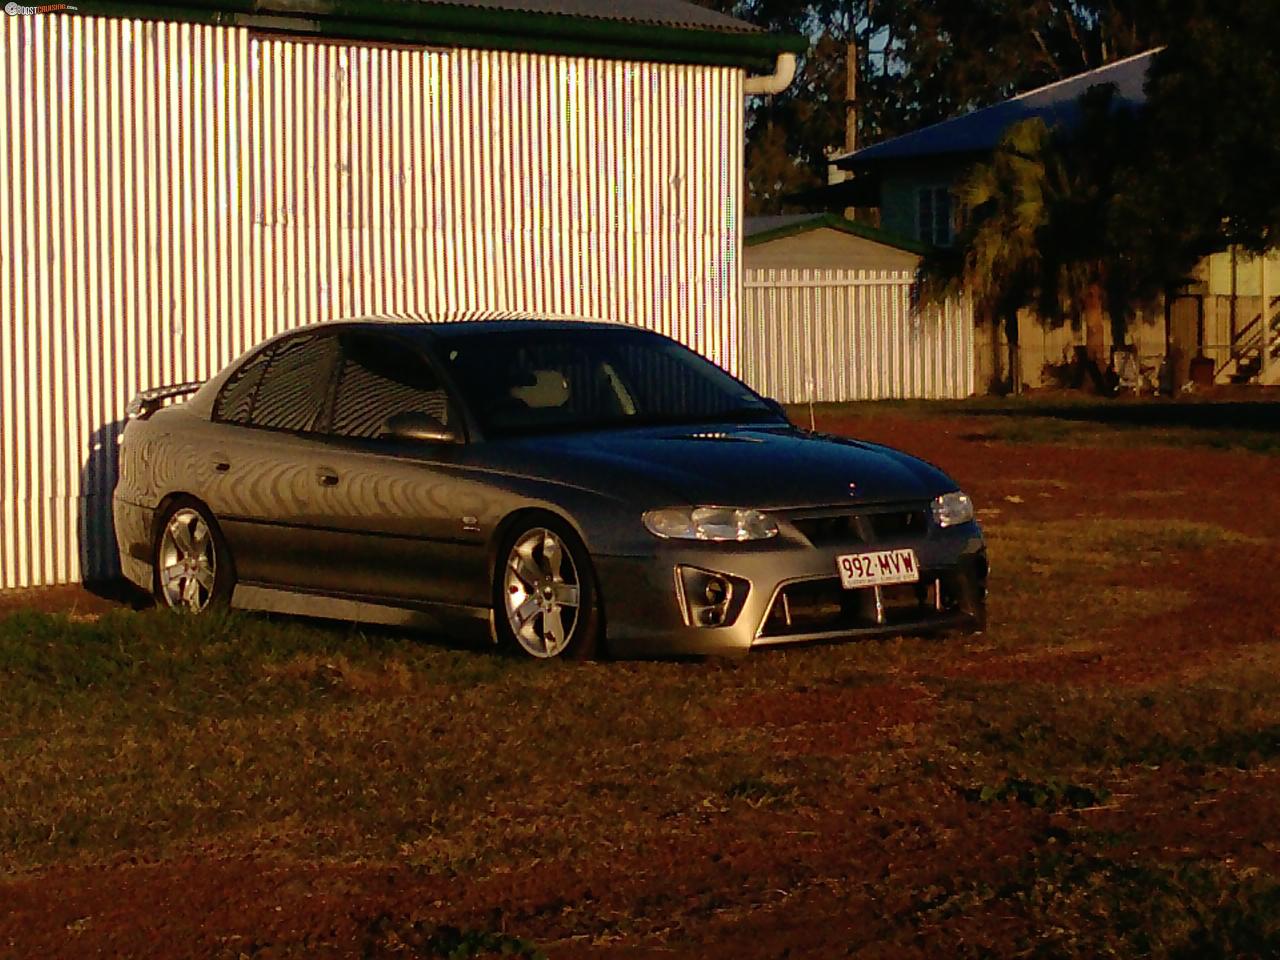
x=327 y=477
x=221 y=464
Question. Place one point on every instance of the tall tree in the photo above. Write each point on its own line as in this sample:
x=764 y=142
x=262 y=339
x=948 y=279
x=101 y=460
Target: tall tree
x=1037 y=228
x=806 y=121
x=919 y=61
x=998 y=259
x=1213 y=151
x=1095 y=163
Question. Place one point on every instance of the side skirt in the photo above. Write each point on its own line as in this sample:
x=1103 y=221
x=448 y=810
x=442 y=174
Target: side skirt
x=441 y=618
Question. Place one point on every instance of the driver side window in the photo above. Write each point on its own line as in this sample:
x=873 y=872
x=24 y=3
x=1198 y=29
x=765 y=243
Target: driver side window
x=380 y=378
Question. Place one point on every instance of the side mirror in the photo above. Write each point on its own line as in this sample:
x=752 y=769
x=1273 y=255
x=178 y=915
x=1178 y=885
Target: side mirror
x=419 y=427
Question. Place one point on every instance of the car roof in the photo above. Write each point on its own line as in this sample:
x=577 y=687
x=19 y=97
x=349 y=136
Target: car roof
x=460 y=324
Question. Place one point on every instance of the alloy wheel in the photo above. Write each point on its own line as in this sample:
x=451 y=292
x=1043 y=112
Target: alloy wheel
x=187 y=561
x=541 y=593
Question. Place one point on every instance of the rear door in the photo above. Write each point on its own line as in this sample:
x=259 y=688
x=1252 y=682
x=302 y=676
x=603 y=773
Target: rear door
x=272 y=474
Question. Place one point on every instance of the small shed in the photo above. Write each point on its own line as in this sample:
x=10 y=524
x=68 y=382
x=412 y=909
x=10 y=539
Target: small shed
x=829 y=316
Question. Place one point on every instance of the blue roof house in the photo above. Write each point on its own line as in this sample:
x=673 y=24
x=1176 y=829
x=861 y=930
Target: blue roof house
x=910 y=177
x=910 y=180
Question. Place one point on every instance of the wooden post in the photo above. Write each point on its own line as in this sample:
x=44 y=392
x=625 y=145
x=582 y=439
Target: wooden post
x=851 y=99
x=1235 y=297
x=835 y=174
x=1265 y=332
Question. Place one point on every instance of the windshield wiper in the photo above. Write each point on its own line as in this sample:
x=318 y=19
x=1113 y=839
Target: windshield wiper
x=739 y=415
x=639 y=421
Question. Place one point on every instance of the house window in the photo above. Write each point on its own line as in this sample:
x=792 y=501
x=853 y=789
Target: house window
x=933 y=216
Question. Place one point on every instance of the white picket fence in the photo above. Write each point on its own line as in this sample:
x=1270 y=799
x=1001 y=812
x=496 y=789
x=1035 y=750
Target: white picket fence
x=837 y=335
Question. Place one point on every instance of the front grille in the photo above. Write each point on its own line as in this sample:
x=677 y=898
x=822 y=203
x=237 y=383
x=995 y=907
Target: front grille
x=901 y=523
x=864 y=526
x=823 y=606
x=821 y=531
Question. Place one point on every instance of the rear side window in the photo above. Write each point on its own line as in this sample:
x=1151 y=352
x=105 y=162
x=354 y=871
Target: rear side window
x=293 y=390
x=382 y=377
x=235 y=402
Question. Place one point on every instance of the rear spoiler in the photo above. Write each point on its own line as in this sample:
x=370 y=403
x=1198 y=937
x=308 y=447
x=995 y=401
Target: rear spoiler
x=149 y=401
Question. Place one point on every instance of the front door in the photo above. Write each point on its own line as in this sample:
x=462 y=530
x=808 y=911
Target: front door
x=403 y=511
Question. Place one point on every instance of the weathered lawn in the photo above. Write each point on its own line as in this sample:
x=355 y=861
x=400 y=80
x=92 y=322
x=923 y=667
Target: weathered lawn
x=1226 y=419
x=1099 y=774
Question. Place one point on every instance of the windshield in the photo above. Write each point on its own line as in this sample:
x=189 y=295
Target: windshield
x=530 y=380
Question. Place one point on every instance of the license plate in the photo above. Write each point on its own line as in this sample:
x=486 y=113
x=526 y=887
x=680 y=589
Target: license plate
x=879 y=568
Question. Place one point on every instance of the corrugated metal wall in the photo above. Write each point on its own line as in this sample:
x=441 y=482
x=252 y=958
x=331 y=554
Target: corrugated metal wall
x=835 y=335
x=171 y=194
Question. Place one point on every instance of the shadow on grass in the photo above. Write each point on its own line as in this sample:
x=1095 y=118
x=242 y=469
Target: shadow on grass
x=120 y=591
x=462 y=636
x=1255 y=416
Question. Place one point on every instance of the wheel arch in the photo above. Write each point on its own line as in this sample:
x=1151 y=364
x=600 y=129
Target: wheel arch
x=162 y=511
x=167 y=502
x=502 y=532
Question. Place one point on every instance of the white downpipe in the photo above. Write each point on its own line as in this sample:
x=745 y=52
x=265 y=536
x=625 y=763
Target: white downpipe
x=784 y=72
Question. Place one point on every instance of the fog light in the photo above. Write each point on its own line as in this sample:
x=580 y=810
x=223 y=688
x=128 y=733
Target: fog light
x=707 y=598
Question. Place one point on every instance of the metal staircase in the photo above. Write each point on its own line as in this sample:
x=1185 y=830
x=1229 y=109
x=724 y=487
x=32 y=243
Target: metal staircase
x=1244 y=363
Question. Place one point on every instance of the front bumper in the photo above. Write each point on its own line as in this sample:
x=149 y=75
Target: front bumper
x=793 y=594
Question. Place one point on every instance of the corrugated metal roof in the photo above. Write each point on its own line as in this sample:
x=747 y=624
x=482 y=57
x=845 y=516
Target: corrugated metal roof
x=759 y=230
x=980 y=131
x=653 y=31
x=753 y=225
x=658 y=13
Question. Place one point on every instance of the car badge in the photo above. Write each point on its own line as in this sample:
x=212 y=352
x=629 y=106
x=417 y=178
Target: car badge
x=853 y=489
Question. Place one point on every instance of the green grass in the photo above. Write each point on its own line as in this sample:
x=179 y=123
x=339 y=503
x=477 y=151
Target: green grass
x=950 y=781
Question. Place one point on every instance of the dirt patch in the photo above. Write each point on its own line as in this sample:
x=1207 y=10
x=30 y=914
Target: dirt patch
x=748 y=887
x=1228 y=488
x=831 y=721
x=1231 y=608
x=1226 y=815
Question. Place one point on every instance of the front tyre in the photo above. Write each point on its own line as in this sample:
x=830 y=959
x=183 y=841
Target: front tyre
x=545 y=599
x=973 y=594
x=193 y=568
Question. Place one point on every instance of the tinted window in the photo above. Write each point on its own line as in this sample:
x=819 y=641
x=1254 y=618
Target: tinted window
x=292 y=393
x=382 y=377
x=561 y=379
x=235 y=402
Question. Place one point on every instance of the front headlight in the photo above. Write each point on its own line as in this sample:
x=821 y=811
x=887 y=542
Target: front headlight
x=710 y=523
x=952 y=508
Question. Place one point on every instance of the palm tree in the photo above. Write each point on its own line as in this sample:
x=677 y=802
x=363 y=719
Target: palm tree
x=1037 y=230
x=997 y=258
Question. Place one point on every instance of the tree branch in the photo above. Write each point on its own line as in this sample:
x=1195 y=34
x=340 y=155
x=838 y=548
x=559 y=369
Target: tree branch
x=1073 y=27
x=1044 y=48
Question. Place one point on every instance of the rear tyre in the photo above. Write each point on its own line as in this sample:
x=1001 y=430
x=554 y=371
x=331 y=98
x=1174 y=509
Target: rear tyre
x=193 y=567
x=546 y=604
